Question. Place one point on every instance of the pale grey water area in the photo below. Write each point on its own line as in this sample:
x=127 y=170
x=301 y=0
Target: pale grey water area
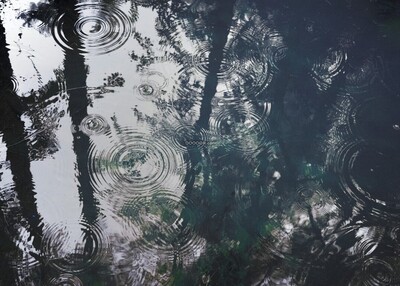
x=199 y=142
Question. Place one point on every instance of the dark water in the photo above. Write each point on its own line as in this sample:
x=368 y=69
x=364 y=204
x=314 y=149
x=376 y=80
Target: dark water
x=200 y=142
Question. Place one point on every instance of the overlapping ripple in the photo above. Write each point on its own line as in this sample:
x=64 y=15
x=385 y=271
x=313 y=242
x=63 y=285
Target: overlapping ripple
x=369 y=175
x=147 y=3
x=376 y=119
x=66 y=280
x=17 y=229
x=185 y=136
x=135 y=163
x=167 y=225
x=367 y=239
x=272 y=42
x=250 y=71
x=25 y=261
x=200 y=61
x=375 y=272
x=101 y=28
x=152 y=85
x=306 y=229
x=240 y=127
x=244 y=72
x=361 y=74
x=74 y=247
x=94 y=124
x=327 y=67
x=279 y=242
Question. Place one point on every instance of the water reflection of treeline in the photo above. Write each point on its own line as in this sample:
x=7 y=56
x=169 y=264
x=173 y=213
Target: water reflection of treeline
x=288 y=160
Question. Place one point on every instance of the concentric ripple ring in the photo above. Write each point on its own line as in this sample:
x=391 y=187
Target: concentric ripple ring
x=135 y=164
x=94 y=124
x=361 y=168
x=73 y=248
x=101 y=28
x=66 y=279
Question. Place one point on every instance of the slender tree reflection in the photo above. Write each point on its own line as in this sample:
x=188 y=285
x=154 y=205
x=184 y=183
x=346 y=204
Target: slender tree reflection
x=12 y=128
x=13 y=135
x=215 y=181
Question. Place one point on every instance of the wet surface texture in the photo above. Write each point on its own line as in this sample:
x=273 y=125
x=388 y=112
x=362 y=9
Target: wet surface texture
x=200 y=142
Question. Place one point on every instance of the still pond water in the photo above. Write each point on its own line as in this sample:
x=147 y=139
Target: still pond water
x=200 y=142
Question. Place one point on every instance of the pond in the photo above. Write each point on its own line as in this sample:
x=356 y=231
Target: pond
x=199 y=142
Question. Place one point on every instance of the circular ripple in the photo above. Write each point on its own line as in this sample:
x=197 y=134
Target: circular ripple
x=394 y=234
x=244 y=71
x=327 y=67
x=15 y=84
x=28 y=257
x=252 y=74
x=367 y=240
x=136 y=163
x=375 y=272
x=200 y=61
x=276 y=51
x=66 y=280
x=152 y=85
x=94 y=124
x=368 y=175
x=146 y=89
x=74 y=248
x=101 y=28
x=376 y=120
x=278 y=241
x=240 y=127
x=148 y=3
x=270 y=40
x=185 y=137
x=360 y=75
x=167 y=226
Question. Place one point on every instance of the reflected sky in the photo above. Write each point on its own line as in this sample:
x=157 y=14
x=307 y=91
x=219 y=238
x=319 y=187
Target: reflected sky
x=199 y=142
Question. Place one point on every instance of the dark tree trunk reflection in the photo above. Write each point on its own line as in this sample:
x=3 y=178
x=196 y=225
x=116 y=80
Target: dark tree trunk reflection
x=13 y=134
x=220 y=21
x=75 y=76
x=12 y=128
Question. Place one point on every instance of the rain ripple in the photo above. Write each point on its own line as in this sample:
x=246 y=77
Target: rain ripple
x=102 y=28
x=94 y=124
x=65 y=280
x=368 y=175
x=74 y=247
x=326 y=68
x=375 y=272
x=135 y=163
x=242 y=127
x=152 y=85
x=360 y=75
x=147 y=3
x=166 y=224
x=377 y=115
x=15 y=84
x=185 y=136
x=244 y=72
x=200 y=61
x=272 y=41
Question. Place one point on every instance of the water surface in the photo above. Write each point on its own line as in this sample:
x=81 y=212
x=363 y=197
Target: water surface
x=199 y=142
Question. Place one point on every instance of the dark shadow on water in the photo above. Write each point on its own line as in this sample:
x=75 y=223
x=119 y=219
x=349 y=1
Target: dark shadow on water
x=75 y=72
x=14 y=137
x=220 y=22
